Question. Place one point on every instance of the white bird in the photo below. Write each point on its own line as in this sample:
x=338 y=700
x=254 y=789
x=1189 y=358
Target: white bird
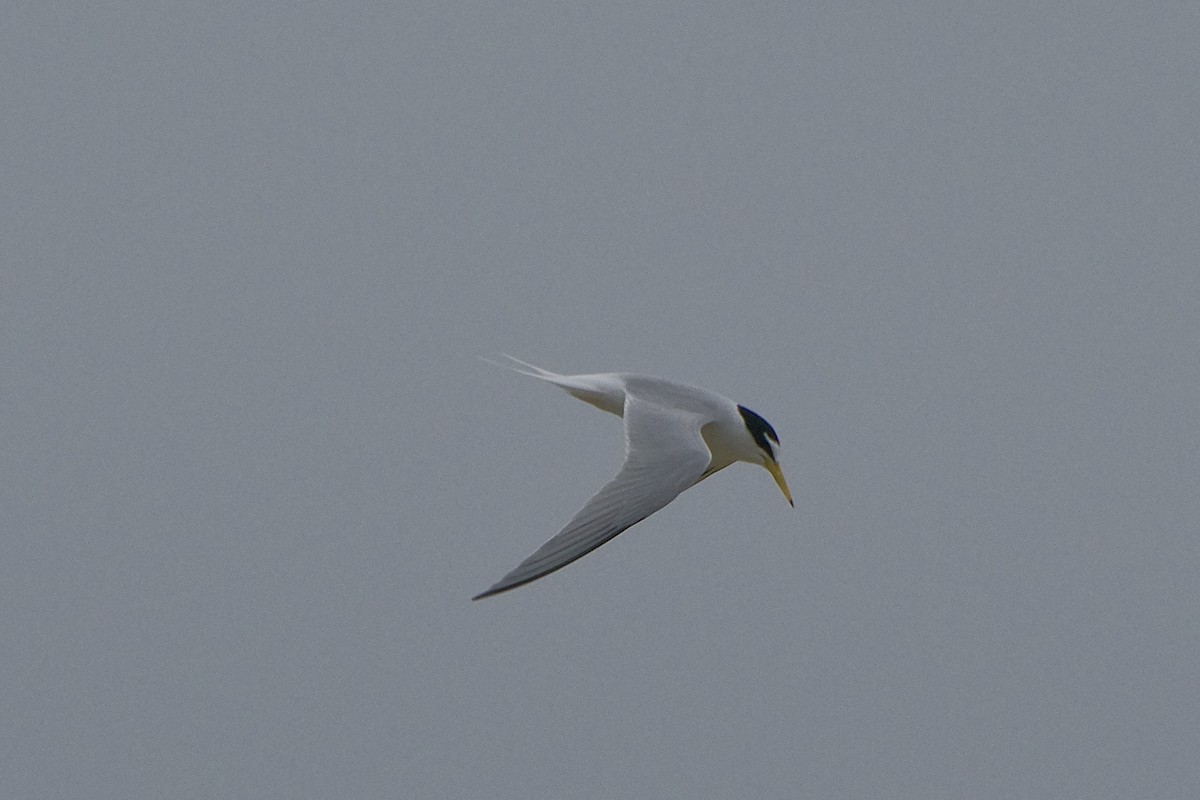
x=675 y=436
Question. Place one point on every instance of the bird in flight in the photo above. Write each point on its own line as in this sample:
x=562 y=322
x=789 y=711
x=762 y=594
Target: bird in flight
x=675 y=436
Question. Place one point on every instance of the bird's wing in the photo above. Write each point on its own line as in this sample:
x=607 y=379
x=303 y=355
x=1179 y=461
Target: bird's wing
x=665 y=453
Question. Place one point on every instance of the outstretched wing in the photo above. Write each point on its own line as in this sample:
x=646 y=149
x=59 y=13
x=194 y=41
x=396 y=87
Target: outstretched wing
x=665 y=453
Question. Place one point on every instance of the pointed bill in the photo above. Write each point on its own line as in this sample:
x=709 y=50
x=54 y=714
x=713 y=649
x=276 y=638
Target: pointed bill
x=777 y=474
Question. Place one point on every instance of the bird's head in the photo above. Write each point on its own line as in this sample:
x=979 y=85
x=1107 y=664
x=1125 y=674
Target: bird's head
x=766 y=443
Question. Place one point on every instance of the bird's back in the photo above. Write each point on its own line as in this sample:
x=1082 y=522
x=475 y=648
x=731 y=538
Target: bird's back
x=680 y=396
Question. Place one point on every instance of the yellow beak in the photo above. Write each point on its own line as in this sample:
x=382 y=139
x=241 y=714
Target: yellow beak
x=777 y=474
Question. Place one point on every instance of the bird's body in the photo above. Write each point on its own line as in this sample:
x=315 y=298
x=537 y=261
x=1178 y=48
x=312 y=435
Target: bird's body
x=675 y=436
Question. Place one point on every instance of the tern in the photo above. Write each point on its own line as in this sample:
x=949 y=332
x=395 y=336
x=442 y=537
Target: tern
x=675 y=436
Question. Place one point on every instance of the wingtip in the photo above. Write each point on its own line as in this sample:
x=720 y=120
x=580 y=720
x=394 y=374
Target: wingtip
x=491 y=592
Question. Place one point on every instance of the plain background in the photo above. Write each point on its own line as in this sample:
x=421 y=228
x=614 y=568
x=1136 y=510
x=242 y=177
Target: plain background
x=252 y=468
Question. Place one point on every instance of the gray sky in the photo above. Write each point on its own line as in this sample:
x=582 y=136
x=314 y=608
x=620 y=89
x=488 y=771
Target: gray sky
x=253 y=470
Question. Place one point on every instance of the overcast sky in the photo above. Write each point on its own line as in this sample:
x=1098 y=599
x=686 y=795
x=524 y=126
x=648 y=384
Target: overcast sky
x=252 y=468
